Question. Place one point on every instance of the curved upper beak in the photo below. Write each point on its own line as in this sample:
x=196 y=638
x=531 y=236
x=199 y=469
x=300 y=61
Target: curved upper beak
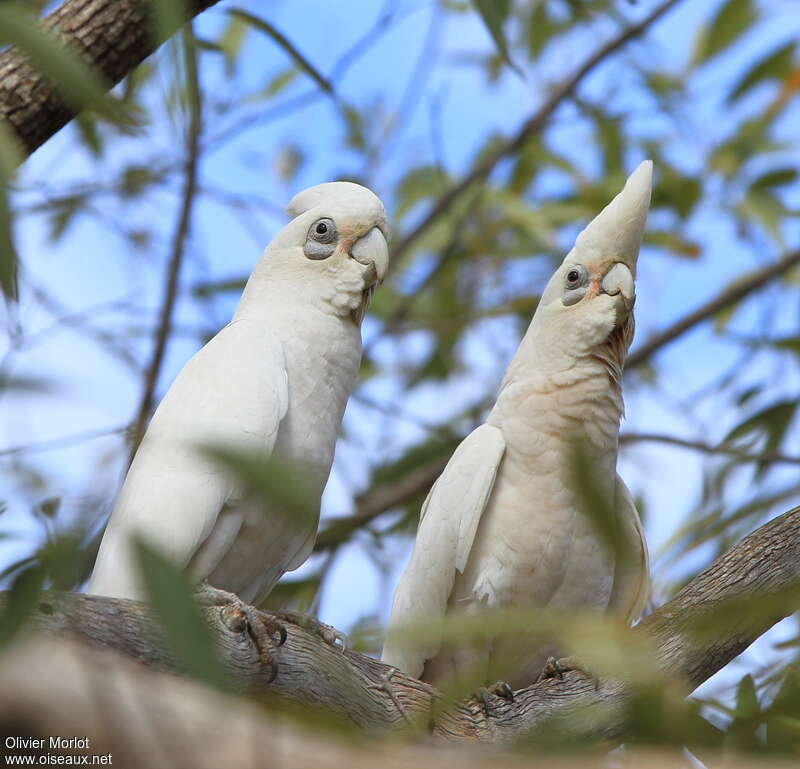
x=373 y=251
x=618 y=281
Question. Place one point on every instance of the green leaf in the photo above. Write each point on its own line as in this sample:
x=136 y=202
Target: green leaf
x=12 y=152
x=166 y=17
x=79 y=85
x=262 y=25
x=773 y=422
x=596 y=500
x=280 y=81
x=228 y=286
x=733 y=19
x=49 y=507
x=742 y=732
x=8 y=251
x=674 y=242
x=494 y=14
x=356 y=138
x=186 y=632
x=279 y=485
x=747 y=705
x=418 y=184
x=66 y=560
x=777 y=178
x=21 y=600
x=676 y=191
x=64 y=211
x=86 y=123
x=765 y=208
x=777 y=64
x=230 y=42
x=540 y=27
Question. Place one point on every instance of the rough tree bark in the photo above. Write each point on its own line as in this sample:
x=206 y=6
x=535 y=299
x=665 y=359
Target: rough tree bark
x=112 y=36
x=148 y=720
x=740 y=596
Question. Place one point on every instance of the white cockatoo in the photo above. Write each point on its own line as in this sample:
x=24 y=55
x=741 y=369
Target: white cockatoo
x=276 y=378
x=503 y=526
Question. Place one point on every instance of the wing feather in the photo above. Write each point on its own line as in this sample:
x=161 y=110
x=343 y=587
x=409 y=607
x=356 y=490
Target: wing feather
x=232 y=392
x=631 y=588
x=448 y=523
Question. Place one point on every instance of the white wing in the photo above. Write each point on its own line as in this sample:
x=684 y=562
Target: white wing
x=232 y=392
x=447 y=527
x=632 y=573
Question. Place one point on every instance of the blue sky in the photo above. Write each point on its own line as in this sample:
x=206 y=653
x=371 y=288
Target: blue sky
x=92 y=265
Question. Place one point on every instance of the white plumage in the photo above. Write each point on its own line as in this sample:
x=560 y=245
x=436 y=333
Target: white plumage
x=503 y=526
x=276 y=378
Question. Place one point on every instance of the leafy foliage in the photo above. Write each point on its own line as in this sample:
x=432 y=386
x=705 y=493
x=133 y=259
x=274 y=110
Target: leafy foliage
x=710 y=92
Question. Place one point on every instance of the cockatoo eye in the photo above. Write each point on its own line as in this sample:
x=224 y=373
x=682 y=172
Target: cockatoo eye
x=321 y=241
x=323 y=231
x=574 y=285
x=574 y=277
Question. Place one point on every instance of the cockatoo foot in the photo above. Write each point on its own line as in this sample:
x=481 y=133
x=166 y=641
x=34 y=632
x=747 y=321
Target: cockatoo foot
x=240 y=617
x=554 y=668
x=327 y=633
x=498 y=689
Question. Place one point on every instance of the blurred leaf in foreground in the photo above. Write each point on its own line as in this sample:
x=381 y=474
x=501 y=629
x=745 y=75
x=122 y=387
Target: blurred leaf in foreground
x=187 y=634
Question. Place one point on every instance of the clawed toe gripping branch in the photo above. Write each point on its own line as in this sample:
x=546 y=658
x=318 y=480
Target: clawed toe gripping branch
x=763 y=570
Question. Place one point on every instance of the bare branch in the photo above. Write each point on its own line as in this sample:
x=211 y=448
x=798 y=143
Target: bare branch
x=378 y=501
x=112 y=36
x=742 y=288
x=710 y=448
x=740 y=596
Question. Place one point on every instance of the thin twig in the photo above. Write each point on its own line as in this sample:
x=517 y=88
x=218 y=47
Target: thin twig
x=484 y=167
x=733 y=294
x=294 y=52
x=378 y=501
x=709 y=448
x=66 y=440
x=178 y=241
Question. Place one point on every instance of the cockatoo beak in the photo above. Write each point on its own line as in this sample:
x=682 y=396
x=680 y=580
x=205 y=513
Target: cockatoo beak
x=618 y=281
x=372 y=251
x=615 y=234
x=611 y=240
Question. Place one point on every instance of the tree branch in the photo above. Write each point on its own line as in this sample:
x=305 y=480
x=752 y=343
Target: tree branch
x=378 y=501
x=743 y=287
x=740 y=596
x=487 y=163
x=112 y=36
x=148 y=720
x=709 y=448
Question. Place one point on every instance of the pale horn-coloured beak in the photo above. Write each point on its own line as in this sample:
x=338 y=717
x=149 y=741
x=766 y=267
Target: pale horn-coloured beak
x=618 y=281
x=615 y=234
x=372 y=251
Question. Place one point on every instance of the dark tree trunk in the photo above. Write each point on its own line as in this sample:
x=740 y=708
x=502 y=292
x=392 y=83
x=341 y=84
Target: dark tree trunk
x=112 y=36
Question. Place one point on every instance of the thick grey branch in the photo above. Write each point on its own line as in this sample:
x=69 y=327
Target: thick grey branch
x=147 y=720
x=741 y=596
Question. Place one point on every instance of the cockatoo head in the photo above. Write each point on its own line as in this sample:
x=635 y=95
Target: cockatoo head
x=587 y=306
x=335 y=248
